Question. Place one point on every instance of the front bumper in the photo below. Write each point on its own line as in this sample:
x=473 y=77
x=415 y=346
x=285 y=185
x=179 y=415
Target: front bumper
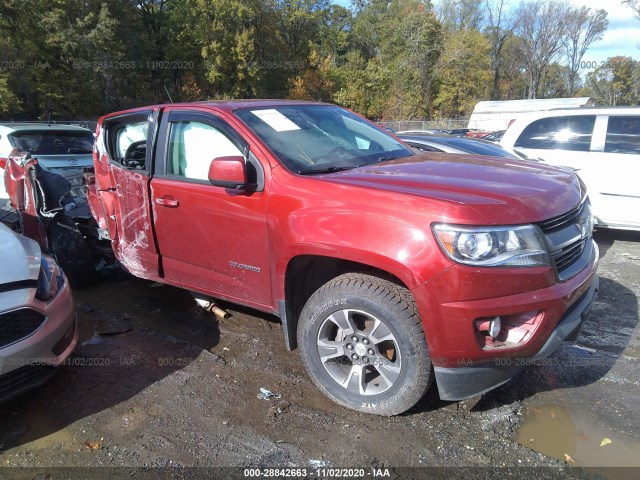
x=465 y=382
x=30 y=362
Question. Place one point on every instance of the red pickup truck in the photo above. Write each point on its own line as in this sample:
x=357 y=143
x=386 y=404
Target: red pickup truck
x=388 y=268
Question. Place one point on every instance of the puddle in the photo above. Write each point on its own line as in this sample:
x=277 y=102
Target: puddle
x=632 y=352
x=95 y=340
x=553 y=431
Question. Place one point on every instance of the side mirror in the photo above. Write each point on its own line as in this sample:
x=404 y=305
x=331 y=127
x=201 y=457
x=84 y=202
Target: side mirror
x=229 y=172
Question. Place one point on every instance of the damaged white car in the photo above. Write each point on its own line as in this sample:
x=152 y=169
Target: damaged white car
x=38 y=328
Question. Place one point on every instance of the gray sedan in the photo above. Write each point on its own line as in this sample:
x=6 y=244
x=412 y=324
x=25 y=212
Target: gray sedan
x=38 y=329
x=452 y=144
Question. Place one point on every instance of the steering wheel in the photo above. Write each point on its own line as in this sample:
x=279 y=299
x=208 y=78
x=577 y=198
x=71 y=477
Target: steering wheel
x=333 y=151
x=329 y=156
x=375 y=147
x=135 y=154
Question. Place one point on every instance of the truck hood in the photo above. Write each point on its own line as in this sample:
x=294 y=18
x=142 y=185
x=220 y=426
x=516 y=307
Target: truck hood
x=501 y=190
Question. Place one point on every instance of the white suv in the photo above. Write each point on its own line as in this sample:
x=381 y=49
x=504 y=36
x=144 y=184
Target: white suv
x=601 y=144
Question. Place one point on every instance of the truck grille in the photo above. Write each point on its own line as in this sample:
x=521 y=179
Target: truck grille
x=569 y=240
x=19 y=324
x=569 y=255
x=561 y=221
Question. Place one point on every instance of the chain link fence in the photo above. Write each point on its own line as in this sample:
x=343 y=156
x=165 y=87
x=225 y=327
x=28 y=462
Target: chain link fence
x=443 y=124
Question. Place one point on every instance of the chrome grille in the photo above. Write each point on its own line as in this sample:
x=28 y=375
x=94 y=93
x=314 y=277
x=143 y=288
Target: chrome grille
x=569 y=255
x=569 y=240
x=19 y=324
x=556 y=223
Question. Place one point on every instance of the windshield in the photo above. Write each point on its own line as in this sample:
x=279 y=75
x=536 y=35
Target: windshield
x=321 y=138
x=53 y=142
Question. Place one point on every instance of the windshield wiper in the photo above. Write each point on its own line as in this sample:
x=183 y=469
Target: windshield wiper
x=332 y=169
x=387 y=158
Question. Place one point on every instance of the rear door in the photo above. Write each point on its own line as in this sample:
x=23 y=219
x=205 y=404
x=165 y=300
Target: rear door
x=122 y=186
x=614 y=170
x=210 y=239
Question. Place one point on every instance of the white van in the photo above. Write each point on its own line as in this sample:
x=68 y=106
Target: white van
x=601 y=144
x=491 y=116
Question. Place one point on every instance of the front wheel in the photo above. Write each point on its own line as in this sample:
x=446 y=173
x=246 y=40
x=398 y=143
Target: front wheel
x=363 y=345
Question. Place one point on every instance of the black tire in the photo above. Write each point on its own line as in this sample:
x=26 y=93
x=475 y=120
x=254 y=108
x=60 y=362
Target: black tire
x=364 y=301
x=72 y=253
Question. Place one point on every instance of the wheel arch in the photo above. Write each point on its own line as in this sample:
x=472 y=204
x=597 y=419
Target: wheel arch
x=307 y=273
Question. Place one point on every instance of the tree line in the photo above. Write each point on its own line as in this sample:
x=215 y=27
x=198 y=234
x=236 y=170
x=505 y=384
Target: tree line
x=382 y=58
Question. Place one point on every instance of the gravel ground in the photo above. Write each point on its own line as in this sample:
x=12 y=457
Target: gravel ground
x=157 y=382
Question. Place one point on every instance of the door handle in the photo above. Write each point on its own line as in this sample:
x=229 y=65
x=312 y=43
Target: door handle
x=167 y=201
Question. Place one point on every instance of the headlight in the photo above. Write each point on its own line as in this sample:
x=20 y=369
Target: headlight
x=493 y=246
x=50 y=280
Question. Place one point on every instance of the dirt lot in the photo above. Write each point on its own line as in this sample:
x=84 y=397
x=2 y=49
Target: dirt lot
x=158 y=382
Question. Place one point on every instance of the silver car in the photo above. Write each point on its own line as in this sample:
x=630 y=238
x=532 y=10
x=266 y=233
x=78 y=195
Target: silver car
x=38 y=328
x=62 y=149
x=453 y=144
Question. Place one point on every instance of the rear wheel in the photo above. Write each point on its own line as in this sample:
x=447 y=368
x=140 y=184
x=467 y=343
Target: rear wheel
x=363 y=345
x=72 y=252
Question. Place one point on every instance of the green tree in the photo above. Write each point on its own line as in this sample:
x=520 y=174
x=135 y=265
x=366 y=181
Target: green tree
x=8 y=101
x=364 y=85
x=556 y=82
x=615 y=83
x=464 y=73
x=457 y=15
x=500 y=24
x=540 y=29
x=583 y=26
x=389 y=69
x=411 y=44
x=634 y=5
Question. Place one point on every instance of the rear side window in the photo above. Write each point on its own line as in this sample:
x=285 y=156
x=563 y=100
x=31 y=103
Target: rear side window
x=559 y=133
x=623 y=135
x=126 y=140
x=128 y=134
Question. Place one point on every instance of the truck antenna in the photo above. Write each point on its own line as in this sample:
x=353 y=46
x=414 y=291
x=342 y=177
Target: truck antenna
x=168 y=94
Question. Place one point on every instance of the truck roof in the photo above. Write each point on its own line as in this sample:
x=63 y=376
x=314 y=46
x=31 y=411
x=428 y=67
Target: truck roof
x=227 y=105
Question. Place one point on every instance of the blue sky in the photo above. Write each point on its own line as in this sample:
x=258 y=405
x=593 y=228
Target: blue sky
x=621 y=38
x=623 y=35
